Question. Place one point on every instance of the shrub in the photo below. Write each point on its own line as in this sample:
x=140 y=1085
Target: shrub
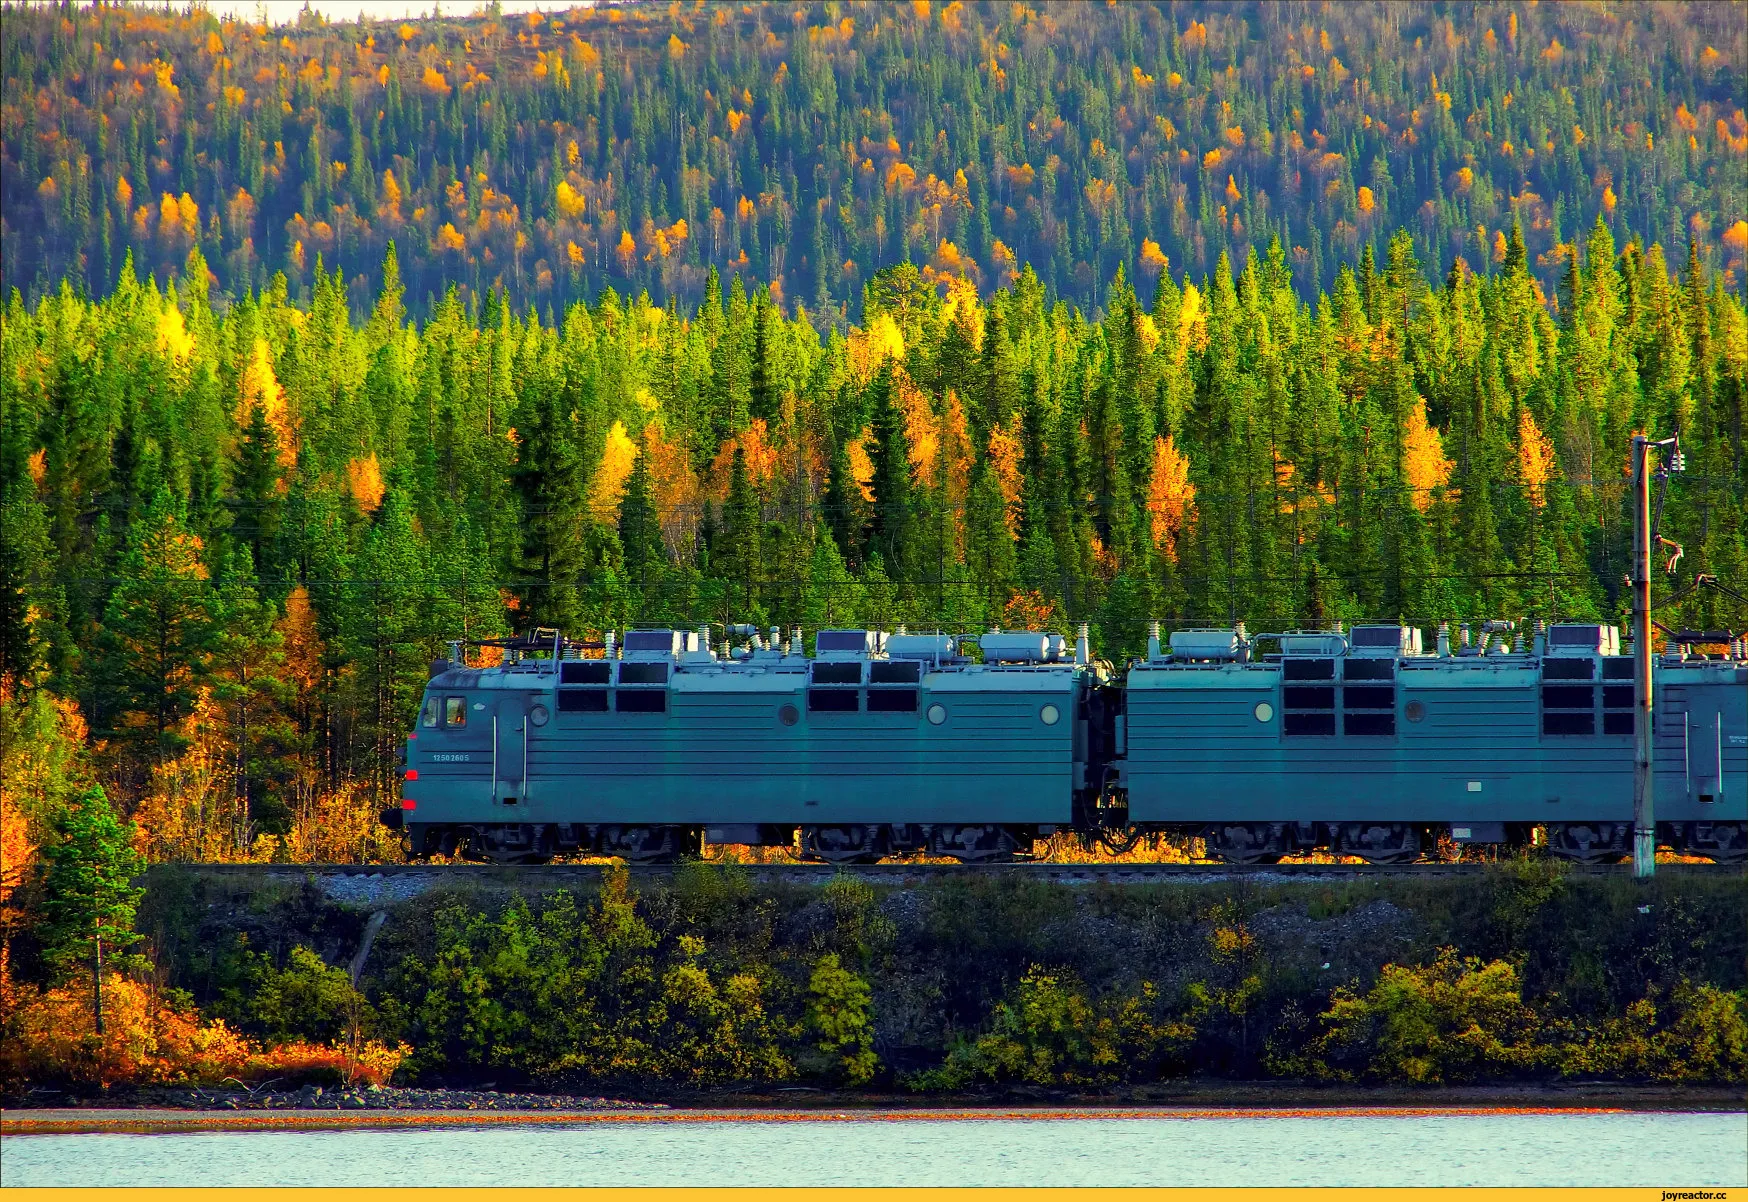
x=150 y=1039
x=1046 y=1032
x=840 y=1019
x=1699 y=1034
x=1453 y=1020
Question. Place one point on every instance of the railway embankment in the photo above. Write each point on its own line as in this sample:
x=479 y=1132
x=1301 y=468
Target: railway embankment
x=1043 y=982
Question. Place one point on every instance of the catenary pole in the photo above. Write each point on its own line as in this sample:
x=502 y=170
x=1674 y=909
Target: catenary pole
x=1644 y=813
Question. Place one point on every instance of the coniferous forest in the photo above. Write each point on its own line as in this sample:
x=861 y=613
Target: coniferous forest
x=327 y=343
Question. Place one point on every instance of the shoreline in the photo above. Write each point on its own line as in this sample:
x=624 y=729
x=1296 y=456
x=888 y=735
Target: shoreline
x=1287 y=1103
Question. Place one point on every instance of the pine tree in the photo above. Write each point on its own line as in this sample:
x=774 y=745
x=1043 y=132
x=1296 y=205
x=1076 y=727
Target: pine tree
x=89 y=897
x=640 y=532
x=738 y=556
x=548 y=478
x=157 y=626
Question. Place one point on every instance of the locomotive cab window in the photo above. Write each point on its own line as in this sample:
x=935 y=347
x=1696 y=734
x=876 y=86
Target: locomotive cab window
x=429 y=716
x=455 y=711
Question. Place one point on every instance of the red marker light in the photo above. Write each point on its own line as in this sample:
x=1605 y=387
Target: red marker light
x=407 y=803
x=412 y=774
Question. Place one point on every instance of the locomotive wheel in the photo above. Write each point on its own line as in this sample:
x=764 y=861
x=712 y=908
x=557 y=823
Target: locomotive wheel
x=1378 y=842
x=1246 y=843
x=974 y=844
x=1589 y=842
x=640 y=844
x=853 y=844
x=1721 y=842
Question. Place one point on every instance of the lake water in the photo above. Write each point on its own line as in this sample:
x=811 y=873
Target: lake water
x=1506 y=1149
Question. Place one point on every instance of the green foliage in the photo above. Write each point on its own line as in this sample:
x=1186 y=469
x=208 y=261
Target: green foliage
x=840 y=1020
x=1698 y=1033
x=308 y=999
x=1047 y=1032
x=859 y=931
x=88 y=889
x=714 y=980
x=1456 y=1019
x=583 y=994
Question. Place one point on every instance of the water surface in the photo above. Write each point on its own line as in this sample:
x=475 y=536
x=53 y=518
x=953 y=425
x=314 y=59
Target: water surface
x=1506 y=1149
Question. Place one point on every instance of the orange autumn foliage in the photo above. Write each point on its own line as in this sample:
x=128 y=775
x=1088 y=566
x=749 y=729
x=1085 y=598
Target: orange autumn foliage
x=1171 y=497
x=1006 y=454
x=260 y=386
x=1535 y=458
x=1424 y=466
x=148 y=1040
x=364 y=481
x=618 y=457
x=1028 y=611
x=921 y=429
x=862 y=463
x=673 y=487
x=761 y=458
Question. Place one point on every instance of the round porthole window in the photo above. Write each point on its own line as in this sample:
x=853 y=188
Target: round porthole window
x=538 y=715
x=1414 y=711
x=937 y=714
x=1264 y=711
x=788 y=715
x=1049 y=715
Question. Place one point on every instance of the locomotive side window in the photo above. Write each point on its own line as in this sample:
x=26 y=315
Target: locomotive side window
x=894 y=672
x=429 y=716
x=641 y=701
x=892 y=701
x=597 y=672
x=643 y=674
x=455 y=711
x=582 y=701
x=1568 y=709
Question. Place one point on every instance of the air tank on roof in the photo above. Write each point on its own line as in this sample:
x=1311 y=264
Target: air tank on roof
x=920 y=646
x=1016 y=647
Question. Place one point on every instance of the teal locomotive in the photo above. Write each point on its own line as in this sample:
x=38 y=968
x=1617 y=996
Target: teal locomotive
x=1361 y=742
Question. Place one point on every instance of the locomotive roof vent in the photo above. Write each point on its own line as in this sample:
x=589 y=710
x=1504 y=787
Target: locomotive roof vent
x=653 y=644
x=1379 y=642
x=1313 y=642
x=847 y=644
x=1582 y=638
x=1217 y=645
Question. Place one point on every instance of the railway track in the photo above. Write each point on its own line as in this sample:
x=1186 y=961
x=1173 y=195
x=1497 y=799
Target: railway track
x=899 y=874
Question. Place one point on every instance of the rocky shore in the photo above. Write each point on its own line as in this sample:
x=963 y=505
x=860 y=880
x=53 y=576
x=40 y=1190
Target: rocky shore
x=365 y=1097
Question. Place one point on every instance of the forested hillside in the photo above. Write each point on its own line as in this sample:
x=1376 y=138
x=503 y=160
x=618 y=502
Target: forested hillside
x=234 y=537
x=810 y=145
x=424 y=336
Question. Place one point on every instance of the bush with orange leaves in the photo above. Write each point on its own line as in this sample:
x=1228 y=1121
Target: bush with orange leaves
x=149 y=1038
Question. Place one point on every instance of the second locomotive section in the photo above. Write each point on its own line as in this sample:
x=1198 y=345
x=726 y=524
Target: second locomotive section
x=873 y=745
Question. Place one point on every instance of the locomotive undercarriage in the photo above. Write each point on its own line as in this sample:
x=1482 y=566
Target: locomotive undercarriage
x=975 y=843
x=856 y=843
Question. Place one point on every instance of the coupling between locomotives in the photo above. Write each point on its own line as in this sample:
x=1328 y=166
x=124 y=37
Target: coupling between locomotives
x=1361 y=742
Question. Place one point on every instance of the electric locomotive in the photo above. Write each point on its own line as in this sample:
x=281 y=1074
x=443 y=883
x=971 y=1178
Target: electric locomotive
x=1364 y=744
x=1360 y=742
x=875 y=744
